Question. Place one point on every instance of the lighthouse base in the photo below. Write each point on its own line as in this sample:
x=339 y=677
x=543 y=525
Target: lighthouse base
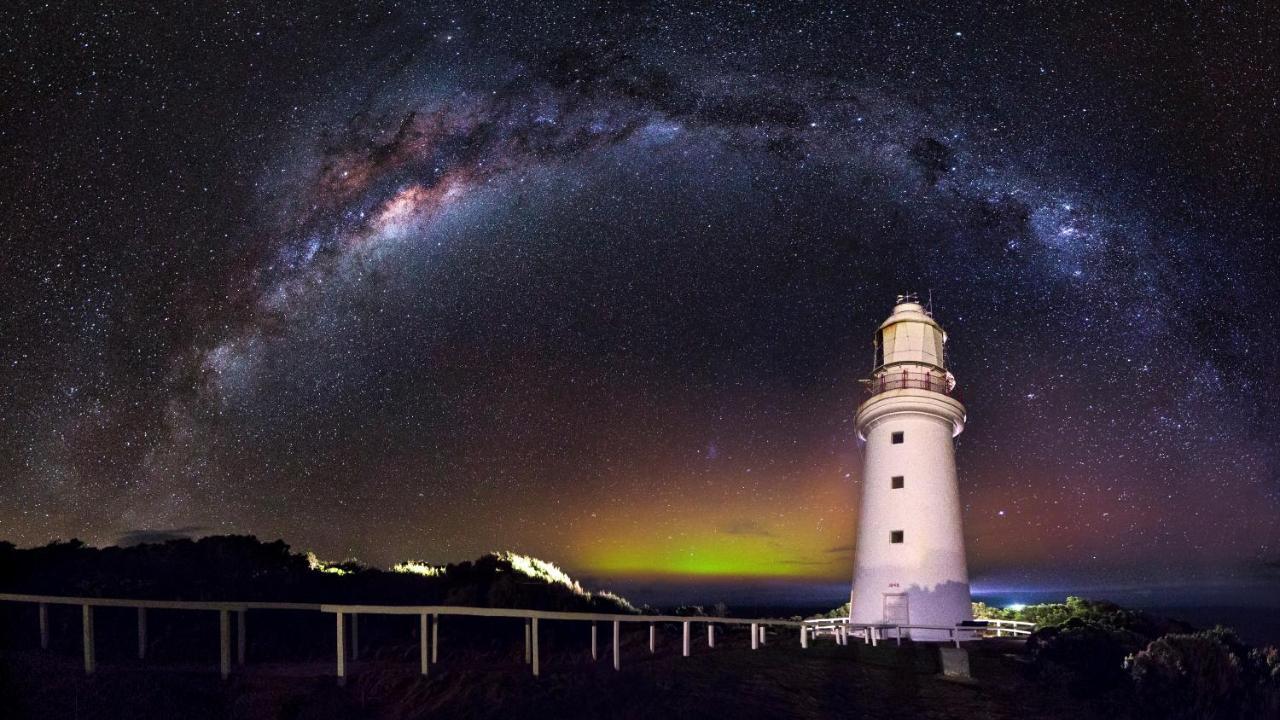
x=937 y=608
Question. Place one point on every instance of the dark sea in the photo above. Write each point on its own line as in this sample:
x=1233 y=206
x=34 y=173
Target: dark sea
x=1254 y=625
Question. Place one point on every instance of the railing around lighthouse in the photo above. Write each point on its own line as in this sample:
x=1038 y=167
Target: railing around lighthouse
x=908 y=379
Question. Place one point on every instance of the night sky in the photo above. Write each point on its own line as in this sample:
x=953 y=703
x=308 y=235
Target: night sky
x=598 y=285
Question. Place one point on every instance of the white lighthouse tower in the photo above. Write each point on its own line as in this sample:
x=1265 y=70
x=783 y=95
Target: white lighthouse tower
x=909 y=563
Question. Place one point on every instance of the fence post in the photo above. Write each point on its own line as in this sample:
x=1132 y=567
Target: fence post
x=686 y=638
x=43 y=612
x=224 y=643
x=528 y=640
x=755 y=636
x=435 y=638
x=534 y=650
x=653 y=638
x=86 y=626
x=711 y=635
x=617 y=651
x=355 y=636
x=423 y=655
x=142 y=633
x=341 y=632
x=241 y=635
x=804 y=636
x=593 y=639
x=764 y=632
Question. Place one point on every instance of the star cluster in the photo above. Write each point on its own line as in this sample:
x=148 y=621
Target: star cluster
x=597 y=283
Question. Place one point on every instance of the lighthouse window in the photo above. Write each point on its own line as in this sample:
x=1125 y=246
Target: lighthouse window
x=895 y=536
x=897 y=482
x=897 y=438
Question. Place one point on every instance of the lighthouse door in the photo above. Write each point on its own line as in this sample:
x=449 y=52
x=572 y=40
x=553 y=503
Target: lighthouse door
x=896 y=611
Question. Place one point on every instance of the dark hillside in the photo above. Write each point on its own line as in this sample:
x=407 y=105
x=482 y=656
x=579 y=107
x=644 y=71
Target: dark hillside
x=236 y=568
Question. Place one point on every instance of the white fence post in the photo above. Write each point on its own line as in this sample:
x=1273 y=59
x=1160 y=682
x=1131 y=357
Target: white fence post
x=593 y=639
x=653 y=638
x=711 y=635
x=86 y=626
x=764 y=631
x=686 y=638
x=804 y=636
x=755 y=636
x=224 y=643
x=423 y=630
x=435 y=638
x=341 y=633
x=43 y=612
x=142 y=633
x=534 y=649
x=617 y=649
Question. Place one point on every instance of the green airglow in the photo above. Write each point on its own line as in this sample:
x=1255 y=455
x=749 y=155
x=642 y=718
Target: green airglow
x=721 y=557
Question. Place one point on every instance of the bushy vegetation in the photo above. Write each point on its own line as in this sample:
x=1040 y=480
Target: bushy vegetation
x=840 y=612
x=1098 y=612
x=1208 y=674
x=235 y=567
x=418 y=568
x=1084 y=655
x=1150 y=666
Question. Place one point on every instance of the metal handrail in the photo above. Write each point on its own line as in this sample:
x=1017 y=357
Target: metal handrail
x=911 y=380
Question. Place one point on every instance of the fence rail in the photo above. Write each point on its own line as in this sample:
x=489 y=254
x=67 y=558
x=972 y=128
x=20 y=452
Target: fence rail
x=840 y=629
x=346 y=619
x=1014 y=628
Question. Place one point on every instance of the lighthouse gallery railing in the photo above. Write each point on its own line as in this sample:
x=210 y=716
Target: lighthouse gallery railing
x=913 y=380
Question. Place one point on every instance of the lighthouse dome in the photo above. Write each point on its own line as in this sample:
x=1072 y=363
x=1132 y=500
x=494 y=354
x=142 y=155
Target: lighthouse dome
x=910 y=336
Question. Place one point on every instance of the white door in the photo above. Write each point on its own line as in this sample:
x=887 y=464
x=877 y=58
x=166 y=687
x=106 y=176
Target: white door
x=896 y=611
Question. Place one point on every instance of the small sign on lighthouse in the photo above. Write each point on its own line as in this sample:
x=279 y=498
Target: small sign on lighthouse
x=909 y=561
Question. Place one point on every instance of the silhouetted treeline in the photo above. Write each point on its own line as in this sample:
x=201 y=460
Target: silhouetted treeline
x=243 y=568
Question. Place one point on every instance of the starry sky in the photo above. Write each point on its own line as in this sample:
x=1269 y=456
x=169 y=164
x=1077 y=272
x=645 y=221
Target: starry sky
x=597 y=282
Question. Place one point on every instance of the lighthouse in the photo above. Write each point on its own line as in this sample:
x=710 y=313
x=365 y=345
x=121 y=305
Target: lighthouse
x=909 y=561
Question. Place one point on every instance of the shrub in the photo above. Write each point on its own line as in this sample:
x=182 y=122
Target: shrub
x=1086 y=656
x=840 y=612
x=1208 y=674
x=983 y=610
x=1189 y=676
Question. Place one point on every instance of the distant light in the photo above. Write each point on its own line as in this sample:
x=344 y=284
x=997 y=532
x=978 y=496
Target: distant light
x=1016 y=607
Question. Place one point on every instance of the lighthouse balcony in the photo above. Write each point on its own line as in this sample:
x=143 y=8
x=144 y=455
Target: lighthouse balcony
x=911 y=380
